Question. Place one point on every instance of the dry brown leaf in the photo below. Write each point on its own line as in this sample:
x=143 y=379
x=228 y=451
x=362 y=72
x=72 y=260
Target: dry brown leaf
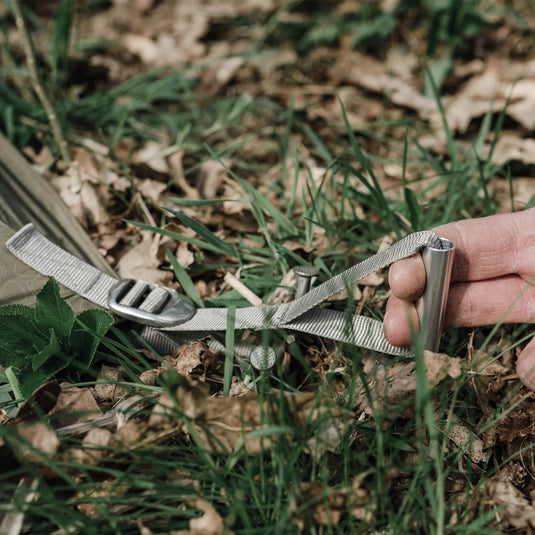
x=222 y=423
x=210 y=523
x=372 y=75
x=324 y=506
x=106 y=489
x=151 y=189
x=109 y=390
x=143 y=47
x=85 y=187
x=513 y=148
x=495 y=88
x=142 y=262
x=472 y=446
x=517 y=508
x=4 y=417
x=210 y=177
x=42 y=400
x=152 y=153
x=393 y=387
x=190 y=356
x=373 y=279
x=74 y=404
x=34 y=441
x=184 y=255
x=440 y=365
x=93 y=448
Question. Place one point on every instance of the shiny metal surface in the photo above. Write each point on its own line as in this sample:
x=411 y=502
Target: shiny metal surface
x=305 y=278
x=432 y=306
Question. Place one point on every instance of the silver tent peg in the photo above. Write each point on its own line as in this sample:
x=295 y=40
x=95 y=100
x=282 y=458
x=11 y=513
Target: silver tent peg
x=431 y=306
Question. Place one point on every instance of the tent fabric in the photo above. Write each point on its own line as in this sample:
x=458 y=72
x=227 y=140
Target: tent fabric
x=26 y=197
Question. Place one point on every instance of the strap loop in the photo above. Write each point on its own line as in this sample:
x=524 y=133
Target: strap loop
x=302 y=314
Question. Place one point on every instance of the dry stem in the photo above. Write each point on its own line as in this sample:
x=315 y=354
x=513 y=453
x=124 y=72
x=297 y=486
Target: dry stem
x=55 y=124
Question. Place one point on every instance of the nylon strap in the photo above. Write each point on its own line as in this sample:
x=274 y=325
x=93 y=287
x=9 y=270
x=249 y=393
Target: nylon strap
x=301 y=315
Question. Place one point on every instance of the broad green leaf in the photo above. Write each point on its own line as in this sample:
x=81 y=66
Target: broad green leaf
x=52 y=311
x=91 y=325
x=19 y=340
x=53 y=348
x=17 y=310
x=12 y=376
x=29 y=382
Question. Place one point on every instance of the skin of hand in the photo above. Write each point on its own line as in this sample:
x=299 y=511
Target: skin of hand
x=493 y=280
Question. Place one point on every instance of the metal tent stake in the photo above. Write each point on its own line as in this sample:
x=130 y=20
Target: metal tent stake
x=432 y=305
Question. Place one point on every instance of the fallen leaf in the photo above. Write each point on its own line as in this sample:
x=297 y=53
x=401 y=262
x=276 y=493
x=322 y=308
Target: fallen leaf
x=74 y=404
x=42 y=401
x=439 y=366
x=318 y=504
x=190 y=356
x=142 y=262
x=513 y=148
x=225 y=423
x=108 y=390
x=517 y=508
x=210 y=523
x=393 y=388
x=33 y=441
x=94 y=447
x=372 y=75
x=469 y=443
x=102 y=495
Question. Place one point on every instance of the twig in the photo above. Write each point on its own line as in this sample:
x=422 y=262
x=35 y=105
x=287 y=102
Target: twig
x=55 y=124
x=245 y=292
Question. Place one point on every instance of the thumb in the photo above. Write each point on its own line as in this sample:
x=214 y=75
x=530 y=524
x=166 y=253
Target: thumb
x=525 y=366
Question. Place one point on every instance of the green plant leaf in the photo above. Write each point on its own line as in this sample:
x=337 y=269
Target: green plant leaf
x=19 y=338
x=51 y=349
x=29 y=382
x=53 y=312
x=91 y=325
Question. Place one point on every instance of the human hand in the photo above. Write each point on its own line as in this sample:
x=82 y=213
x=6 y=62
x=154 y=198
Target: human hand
x=492 y=281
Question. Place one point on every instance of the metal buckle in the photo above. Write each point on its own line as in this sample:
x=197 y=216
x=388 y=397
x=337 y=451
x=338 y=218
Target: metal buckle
x=150 y=304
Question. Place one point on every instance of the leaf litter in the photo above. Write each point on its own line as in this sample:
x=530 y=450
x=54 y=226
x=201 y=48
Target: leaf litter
x=137 y=180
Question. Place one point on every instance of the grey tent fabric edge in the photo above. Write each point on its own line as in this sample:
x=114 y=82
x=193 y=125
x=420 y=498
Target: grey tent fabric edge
x=25 y=196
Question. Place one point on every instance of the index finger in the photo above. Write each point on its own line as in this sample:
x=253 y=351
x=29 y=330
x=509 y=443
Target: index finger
x=487 y=247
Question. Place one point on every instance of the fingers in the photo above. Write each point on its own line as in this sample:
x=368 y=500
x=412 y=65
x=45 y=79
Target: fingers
x=485 y=248
x=488 y=247
x=400 y=315
x=407 y=278
x=506 y=299
x=494 y=257
x=525 y=365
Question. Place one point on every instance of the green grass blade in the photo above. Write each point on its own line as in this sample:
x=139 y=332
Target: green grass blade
x=202 y=202
x=184 y=279
x=177 y=236
x=59 y=53
x=229 y=350
x=217 y=243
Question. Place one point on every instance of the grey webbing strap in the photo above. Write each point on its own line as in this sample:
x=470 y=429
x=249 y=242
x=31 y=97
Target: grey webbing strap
x=301 y=315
